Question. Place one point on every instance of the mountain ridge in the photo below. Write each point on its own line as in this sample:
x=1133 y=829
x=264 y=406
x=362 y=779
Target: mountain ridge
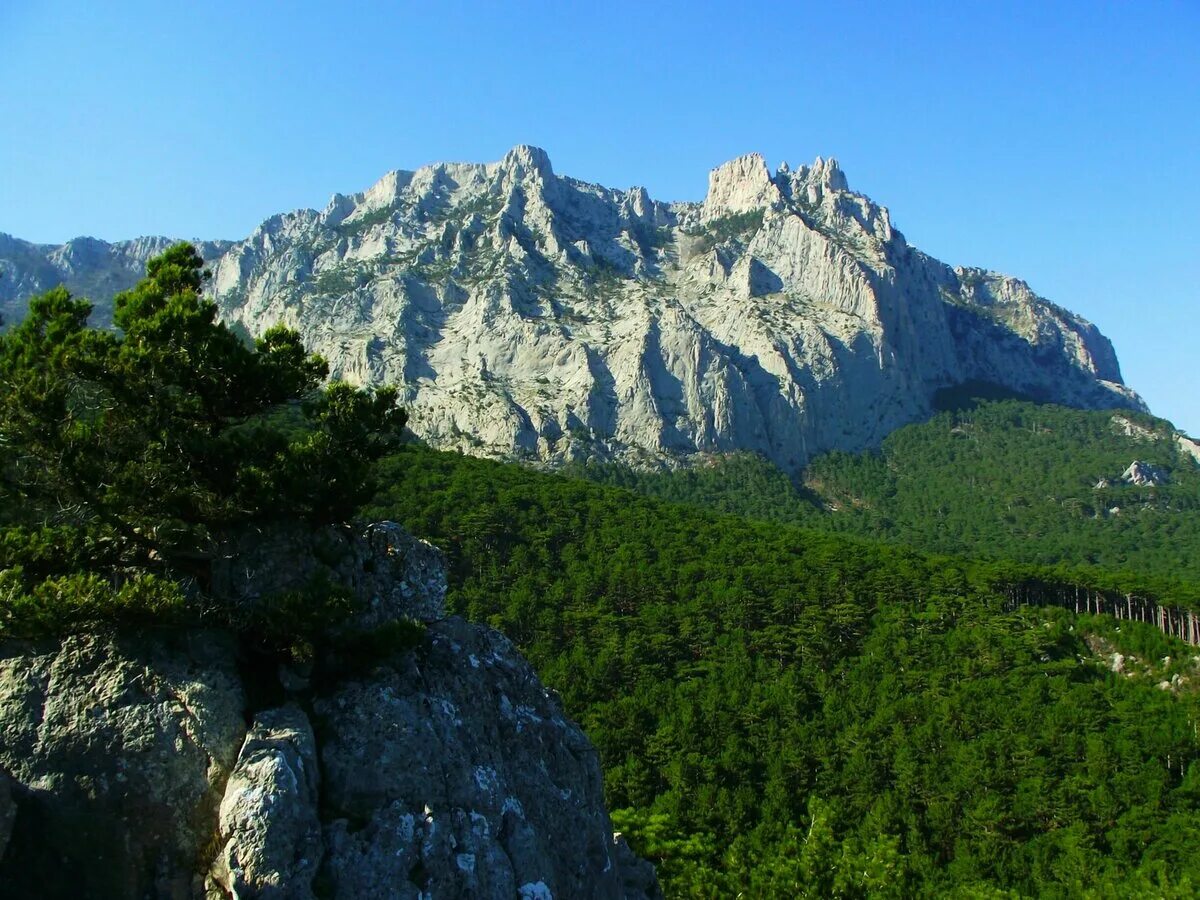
x=530 y=315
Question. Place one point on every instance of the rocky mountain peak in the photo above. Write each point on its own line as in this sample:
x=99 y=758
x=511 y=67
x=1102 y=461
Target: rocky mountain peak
x=745 y=185
x=738 y=186
x=828 y=174
x=531 y=315
x=524 y=160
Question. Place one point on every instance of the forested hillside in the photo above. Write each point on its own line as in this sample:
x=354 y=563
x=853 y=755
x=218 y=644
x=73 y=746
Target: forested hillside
x=1001 y=479
x=782 y=713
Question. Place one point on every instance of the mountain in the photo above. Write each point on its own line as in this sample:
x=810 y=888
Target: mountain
x=531 y=315
x=88 y=267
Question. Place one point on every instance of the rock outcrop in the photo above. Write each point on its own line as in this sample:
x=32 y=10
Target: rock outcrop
x=119 y=748
x=1189 y=448
x=269 y=821
x=453 y=804
x=8 y=811
x=1143 y=473
x=527 y=314
x=389 y=573
x=172 y=765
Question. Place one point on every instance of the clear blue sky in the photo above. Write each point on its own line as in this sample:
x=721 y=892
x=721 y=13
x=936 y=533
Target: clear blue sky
x=1055 y=141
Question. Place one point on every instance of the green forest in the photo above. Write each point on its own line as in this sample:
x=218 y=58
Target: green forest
x=821 y=690
x=783 y=712
x=1005 y=479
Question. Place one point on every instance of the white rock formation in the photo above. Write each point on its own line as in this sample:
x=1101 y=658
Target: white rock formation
x=525 y=314
x=1188 y=447
x=1144 y=473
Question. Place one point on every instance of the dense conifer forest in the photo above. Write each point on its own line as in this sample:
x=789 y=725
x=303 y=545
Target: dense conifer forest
x=782 y=712
x=1004 y=479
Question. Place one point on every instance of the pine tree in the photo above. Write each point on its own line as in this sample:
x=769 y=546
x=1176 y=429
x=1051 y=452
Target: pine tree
x=143 y=446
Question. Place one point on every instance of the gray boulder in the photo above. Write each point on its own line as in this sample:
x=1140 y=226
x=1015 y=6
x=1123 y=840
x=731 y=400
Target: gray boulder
x=8 y=811
x=390 y=573
x=1144 y=473
x=119 y=747
x=269 y=821
x=453 y=773
x=638 y=877
x=447 y=770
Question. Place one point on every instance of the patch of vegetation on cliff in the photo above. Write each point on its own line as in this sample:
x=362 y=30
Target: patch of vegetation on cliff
x=369 y=220
x=739 y=227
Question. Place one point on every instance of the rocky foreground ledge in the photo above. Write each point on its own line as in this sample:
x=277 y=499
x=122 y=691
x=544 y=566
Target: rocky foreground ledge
x=168 y=765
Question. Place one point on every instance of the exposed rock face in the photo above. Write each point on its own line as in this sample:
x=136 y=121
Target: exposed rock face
x=8 y=811
x=1143 y=473
x=269 y=815
x=120 y=748
x=390 y=573
x=1188 y=447
x=529 y=314
x=450 y=805
x=444 y=771
x=86 y=266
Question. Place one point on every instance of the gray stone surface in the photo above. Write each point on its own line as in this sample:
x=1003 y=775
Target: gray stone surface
x=86 y=266
x=119 y=747
x=269 y=814
x=454 y=773
x=444 y=771
x=390 y=573
x=1189 y=448
x=532 y=315
x=638 y=878
x=1144 y=473
x=8 y=811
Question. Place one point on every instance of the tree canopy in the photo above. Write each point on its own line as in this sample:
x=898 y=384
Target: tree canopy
x=144 y=445
x=1005 y=479
x=782 y=712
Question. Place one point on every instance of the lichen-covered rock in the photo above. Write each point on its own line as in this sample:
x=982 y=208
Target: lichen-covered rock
x=401 y=577
x=390 y=574
x=448 y=769
x=119 y=747
x=638 y=877
x=269 y=814
x=453 y=773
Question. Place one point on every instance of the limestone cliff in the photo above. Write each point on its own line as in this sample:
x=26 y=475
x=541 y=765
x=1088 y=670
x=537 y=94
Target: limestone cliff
x=527 y=314
x=169 y=764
